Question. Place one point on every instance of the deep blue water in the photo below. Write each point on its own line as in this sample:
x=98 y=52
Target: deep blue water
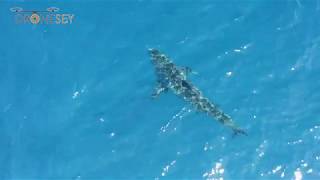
x=75 y=99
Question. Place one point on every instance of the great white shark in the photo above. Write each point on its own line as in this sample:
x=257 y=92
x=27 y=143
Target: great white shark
x=174 y=78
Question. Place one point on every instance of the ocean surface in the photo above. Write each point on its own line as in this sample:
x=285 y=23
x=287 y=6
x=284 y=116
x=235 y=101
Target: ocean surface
x=75 y=99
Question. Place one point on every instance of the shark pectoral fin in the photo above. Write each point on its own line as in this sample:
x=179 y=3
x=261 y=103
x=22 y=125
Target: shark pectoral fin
x=187 y=70
x=194 y=72
x=158 y=90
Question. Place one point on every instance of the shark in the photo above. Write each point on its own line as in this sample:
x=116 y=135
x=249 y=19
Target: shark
x=175 y=78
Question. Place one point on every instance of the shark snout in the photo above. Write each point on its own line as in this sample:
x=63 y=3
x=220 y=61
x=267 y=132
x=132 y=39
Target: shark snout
x=153 y=51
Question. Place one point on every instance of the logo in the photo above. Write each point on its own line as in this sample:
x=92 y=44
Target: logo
x=49 y=16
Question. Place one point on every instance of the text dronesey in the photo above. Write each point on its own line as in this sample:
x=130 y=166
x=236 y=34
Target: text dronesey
x=48 y=16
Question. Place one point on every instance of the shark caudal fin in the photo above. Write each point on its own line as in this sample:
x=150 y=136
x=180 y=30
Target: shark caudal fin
x=227 y=121
x=238 y=131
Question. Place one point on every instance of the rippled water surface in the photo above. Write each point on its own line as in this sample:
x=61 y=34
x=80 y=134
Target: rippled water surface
x=75 y=99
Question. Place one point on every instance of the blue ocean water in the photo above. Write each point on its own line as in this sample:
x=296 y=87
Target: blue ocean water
x=75 y=99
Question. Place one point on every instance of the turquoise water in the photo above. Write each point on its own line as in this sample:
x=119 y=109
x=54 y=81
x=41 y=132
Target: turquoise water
x=75 y=99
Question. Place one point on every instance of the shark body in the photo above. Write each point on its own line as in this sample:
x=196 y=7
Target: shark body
x=172 y=77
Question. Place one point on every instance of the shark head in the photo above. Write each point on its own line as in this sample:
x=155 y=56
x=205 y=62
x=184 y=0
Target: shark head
x=165 y=68
x=157 y=58
x=153 y=51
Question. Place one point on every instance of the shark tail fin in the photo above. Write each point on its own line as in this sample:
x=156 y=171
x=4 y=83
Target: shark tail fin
x=238 y=131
